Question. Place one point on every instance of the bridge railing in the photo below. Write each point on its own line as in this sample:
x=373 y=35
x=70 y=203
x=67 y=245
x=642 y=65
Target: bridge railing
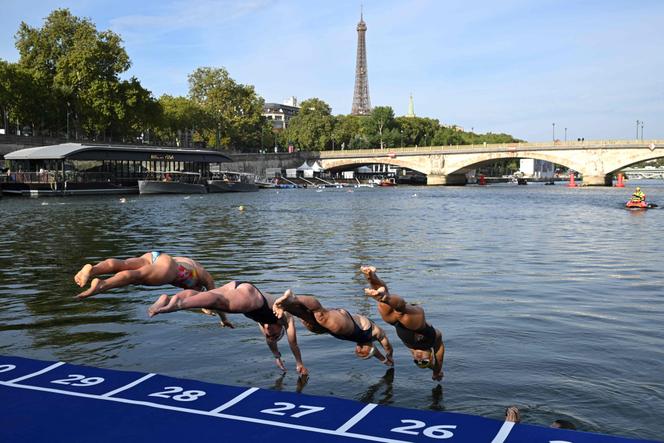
x=496 y=147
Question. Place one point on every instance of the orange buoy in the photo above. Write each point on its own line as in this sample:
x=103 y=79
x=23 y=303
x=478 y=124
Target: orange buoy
x=572 y=183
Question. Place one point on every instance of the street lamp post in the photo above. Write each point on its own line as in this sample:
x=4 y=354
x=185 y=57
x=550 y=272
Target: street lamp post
x=401 y=138
x=565 y=134
x=637 y=129
x=67 y=121
x=554 y=131
x=641 y=130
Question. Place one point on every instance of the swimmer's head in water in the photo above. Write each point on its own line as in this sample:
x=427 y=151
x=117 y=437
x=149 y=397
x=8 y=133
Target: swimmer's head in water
x=423 y=361
x=274 y=331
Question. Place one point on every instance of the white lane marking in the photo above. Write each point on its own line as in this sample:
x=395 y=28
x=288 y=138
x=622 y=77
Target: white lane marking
x=34 y=374
x=359 y=416
x=209 y=414
x=235 y=400
x=130 y=385
x=504 y=431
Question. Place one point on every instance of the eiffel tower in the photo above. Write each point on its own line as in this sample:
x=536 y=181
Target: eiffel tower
x=361 y=102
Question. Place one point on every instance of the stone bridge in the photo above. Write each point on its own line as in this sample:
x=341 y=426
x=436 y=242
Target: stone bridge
x=596 y=161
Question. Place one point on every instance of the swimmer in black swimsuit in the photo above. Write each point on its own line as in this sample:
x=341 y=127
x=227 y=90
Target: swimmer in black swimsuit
x=240 y=298
x=337 y=322
x=423 y=340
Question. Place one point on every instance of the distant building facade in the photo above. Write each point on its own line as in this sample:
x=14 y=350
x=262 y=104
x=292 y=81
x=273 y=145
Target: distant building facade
x=280 y=114
x=534 y=168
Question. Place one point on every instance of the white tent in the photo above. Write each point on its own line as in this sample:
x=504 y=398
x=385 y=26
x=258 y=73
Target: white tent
x=307 y=170
x=317 y=167
x=305 y=167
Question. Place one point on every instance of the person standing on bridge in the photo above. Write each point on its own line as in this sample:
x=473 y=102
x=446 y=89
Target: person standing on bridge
x=423 y=341
x=638 y=195
x=240 y=298
x=339 y=323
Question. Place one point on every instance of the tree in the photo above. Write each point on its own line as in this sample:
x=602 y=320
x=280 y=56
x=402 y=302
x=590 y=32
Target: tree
x=79 y=65
x=417 y=130
x=311 y=128
x=181 y=114
x=448 y=136
x=382 y=117
x=345 y=128
x=234 y=110
x=139 y=113
x=22 y=98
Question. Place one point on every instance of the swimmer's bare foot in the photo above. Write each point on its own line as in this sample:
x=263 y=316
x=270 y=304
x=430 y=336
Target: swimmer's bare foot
x=370 y=273
x=95 y=287
x=282 y=303
x=82 y=277
x=376 y=294
x=156 y=306
x=208 y=311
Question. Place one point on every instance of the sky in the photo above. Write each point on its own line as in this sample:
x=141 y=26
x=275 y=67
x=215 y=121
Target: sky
x=530 y=68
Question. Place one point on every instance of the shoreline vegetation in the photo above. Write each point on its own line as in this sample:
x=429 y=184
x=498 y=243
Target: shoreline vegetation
x=67 y=84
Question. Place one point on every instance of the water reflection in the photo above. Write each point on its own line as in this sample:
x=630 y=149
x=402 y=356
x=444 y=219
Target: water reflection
x=380 y=392
x=437 y=398
x=300 y=383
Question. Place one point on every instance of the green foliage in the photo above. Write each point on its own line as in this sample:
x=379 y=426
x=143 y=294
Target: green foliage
x=77 y=69
x=69 y=73
x=178 y=115
x=382 y=118
x=23 y=97
x=417 y=130
x=234 y=111
x=311 y=128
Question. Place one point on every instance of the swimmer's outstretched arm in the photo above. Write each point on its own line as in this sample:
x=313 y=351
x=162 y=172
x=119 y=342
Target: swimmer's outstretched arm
x=381 y=337
x=274 y=349
x=295 y=348
x=440 y=354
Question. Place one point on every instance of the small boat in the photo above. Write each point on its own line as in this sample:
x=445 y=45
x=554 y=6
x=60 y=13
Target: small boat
x=521 y=181
x=264 y=184
x=172 y=182
x=229 y=181
x=388 y=182
x=639 y=204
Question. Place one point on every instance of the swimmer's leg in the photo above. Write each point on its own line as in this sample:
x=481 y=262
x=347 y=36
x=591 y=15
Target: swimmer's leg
x=109 y=266
x=302 y=306
x=187 y=299
x=96 y=286
x=373 y=279
x=119 y=280
x=223 y=320
x=82 y=277
x=160 y=303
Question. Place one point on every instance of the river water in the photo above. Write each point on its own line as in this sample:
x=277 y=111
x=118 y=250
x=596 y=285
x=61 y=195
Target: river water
x=548 y=297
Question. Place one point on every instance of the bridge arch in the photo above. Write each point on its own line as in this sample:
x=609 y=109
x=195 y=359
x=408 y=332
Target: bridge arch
x=596 y=161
